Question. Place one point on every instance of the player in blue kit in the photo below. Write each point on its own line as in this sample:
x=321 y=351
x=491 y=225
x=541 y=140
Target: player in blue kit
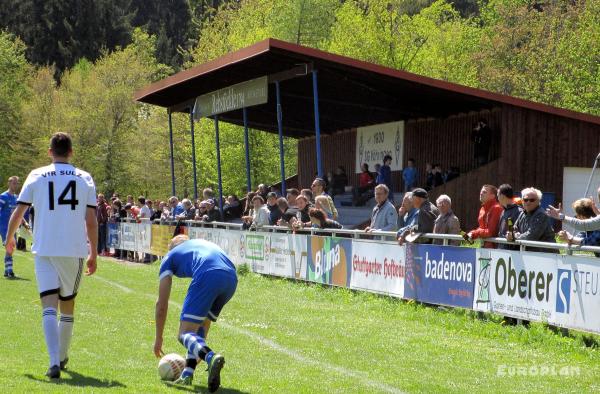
x=8 y=203
x=214 y=281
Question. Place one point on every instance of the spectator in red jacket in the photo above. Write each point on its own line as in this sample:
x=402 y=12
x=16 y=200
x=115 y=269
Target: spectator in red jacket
x=489 y=216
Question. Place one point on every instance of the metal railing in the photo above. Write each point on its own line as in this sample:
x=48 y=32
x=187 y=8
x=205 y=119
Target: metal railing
x=385 y=236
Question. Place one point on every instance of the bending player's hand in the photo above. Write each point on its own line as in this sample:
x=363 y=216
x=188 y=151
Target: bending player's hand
x=91 y=265
x=10 y=245
x=158 y=347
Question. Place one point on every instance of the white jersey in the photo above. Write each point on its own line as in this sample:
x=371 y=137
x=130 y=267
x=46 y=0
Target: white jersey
x=61 y=195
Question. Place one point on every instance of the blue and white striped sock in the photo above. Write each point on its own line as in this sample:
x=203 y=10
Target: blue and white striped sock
x=51 y=334
x=196 y=346
x=8 y=263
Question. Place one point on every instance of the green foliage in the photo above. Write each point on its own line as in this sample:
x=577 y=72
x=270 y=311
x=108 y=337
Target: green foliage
x=14 y=71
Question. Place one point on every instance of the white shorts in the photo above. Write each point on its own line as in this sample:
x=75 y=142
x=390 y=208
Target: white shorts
x=58 y=275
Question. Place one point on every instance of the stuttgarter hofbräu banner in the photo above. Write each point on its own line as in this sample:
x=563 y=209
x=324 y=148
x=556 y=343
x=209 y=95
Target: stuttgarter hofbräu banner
x=443 y=275
x=329 y=260
x=517 y=284
x=378 y=267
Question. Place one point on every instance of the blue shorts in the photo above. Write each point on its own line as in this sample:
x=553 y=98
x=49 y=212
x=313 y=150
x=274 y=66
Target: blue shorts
x=3 y=234
x=207 y=295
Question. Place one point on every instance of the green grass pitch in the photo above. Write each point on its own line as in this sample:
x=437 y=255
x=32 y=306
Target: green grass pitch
x=279 y=336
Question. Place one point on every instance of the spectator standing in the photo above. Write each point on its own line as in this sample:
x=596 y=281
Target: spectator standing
x=292 y=195
x=407 y=213
x=366 y=184
x=511 y=211
x=533 y=224
x=447 y=222
x=145 y=211
x=324 y=204
x=438 y=178
x=429 y=176
x=260 y=214
x=232 y=208
x=263 y=190
x=339 y=181
x=318 y=189
x=489 y=216
x=274 y=211
x=584 y=209
x=385 y=175
x=318 y=220
x=384 y=216
x=303 y=206
x=188 y=210
x=175 y=207
x=482 y=138
x=102 y=209
x=409 y=175
x=425 y=218
x=308 y=194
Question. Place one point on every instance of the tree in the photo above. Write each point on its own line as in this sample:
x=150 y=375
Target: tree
x=14 y=71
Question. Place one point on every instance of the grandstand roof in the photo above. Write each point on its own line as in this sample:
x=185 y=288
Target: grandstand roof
x=352 y=93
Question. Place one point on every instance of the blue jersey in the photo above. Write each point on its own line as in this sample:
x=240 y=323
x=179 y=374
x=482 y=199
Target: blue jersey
x=8 y=203
x=193 y=258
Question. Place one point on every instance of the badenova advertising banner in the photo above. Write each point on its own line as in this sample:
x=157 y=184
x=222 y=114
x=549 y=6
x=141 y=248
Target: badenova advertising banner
x=378 y=267
x=329 y=260
x=577 y=293
x=288 y=255
x=443 y=275
x=517 y=284
x=373 y=143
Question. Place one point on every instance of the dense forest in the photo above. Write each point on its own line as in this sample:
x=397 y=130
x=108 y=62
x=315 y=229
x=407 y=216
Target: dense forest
x=74 y=65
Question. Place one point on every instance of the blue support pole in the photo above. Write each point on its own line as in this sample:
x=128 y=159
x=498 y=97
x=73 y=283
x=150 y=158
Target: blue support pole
x=280 y=128
x=172 y=160
x=247 y=146
x=219 y=165
x=193 y=153
x=317 y=122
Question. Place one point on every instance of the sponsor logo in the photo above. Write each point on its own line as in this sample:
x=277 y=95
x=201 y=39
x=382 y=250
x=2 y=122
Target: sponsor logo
x=563 y=291
x=443 y=269
x=523 y=284
x=326 y=260
x=388 y=269
x=483 y=297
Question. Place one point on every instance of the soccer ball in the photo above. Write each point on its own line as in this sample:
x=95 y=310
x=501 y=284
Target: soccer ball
x=171 y=366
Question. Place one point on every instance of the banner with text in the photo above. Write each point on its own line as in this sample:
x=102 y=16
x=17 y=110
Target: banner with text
x=443 y=275
x=517 y=284
x=288 y=255
x=329 y=260
x=378 y=267
x=114 y=235
x=375 y=142
x=577 y=293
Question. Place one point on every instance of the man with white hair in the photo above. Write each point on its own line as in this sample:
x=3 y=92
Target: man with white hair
x=447 y=222
x=533 y=224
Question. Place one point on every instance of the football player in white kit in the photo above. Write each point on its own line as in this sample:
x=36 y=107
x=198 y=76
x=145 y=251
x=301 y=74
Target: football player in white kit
x=65 y=219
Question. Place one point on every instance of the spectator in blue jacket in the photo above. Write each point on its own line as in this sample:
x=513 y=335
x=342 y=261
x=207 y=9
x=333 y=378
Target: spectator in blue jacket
x=409 y=175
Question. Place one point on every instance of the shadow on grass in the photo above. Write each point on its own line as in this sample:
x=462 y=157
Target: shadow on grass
x=19 y=278
x=196 y=388
x=77 y=380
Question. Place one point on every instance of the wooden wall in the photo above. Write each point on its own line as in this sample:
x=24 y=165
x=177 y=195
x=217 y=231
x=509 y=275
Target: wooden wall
x=531 y=148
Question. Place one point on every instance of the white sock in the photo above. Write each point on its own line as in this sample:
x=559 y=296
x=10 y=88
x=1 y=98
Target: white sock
x=65 y=331
x=51 y=334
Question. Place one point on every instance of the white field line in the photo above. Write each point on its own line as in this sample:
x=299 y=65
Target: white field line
x=358 y=375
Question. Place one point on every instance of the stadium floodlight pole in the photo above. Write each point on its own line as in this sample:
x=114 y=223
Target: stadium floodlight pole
x=280 y=128
x=246 y=145
x=193 y=153
x=219 y=165
x=171 y=146
x=317 y=123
